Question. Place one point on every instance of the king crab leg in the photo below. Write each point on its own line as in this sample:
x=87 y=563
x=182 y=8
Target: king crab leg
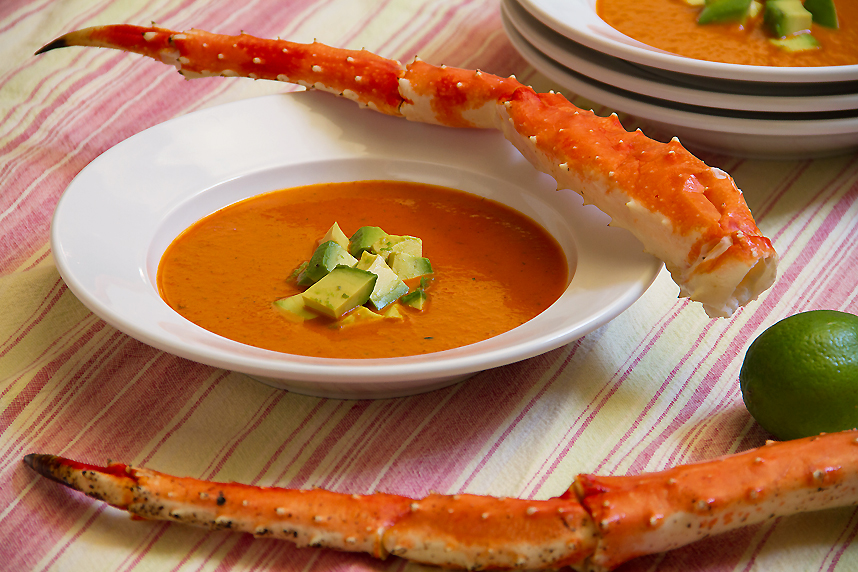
x=598 y=524
x=459 y=531
x=690 y=215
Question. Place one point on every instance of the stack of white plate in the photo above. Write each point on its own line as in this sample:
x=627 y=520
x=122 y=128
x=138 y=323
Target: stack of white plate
x=749 y=111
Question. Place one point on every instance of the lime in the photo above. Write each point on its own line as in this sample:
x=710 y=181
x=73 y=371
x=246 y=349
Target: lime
x=800 y=376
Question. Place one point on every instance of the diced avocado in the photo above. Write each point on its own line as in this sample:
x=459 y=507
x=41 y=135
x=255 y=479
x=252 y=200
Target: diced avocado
x=298 y=271
x=360 y=315
x=389 y=287
x=407 y=266
x=786 y=17
x=363 y=238
x=720 y=11
x=337 y=235
x=695 y=3
x=294 y=310
x=823 y=12
x=391 y=244
x=341 y=290
x=800 y=43
x=754 y=9
x=416 y=299
x=392 y=313
x=300 y=274
x=327 y=256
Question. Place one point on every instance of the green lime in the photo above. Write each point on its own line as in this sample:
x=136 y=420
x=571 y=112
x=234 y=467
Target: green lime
x=800 y=376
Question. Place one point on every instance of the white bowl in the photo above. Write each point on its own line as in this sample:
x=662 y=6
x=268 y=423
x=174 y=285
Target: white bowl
x=752 y=135
x=622 y=74
x=578 y=21
x=120 y=213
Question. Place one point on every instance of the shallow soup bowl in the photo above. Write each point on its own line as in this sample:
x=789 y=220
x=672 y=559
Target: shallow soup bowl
x=119 y=215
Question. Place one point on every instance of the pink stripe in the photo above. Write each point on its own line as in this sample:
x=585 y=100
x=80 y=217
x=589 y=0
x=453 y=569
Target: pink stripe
x=98 y=511
x=78 y=23
x=846 y=538
x=39 y=381
x=588 y=413
x=356 y=458
x=252 y=424
x=288 y=441
x=56 y=292
x=777 y=196
x=337 y=431
x=145 y=544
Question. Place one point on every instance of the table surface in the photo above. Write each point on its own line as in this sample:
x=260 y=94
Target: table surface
x=656 y=387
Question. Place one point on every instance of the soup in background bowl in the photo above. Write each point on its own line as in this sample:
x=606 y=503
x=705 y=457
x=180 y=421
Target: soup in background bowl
x=671 y=25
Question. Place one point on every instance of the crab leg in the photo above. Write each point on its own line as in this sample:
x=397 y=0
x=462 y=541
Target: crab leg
x=461 y=531
x=599 y=523
x=691 y=216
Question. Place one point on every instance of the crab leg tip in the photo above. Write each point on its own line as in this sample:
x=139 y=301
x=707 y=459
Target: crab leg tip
x=58 y=43
x=43 y=464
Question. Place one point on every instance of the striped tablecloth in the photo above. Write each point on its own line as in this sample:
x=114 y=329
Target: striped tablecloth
x=654 y=388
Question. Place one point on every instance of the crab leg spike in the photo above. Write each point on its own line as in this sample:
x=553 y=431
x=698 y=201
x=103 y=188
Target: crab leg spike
x=655 y=512
x=462 y=531
x=359 y=75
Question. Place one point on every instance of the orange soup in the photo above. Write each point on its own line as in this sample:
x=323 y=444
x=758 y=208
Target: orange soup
x=671 y=25
x=494 y=268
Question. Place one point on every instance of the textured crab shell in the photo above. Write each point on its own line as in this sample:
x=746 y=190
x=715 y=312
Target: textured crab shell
x=315 y=517
x=460 y=531
x=452 y=96
x=684 y=212
x=655 y=512
x=359 y=75
x=471 y=531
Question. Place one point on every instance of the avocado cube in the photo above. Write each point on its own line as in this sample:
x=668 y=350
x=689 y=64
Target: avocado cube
x=755 y=9
x=327 y=256
x=823 y=12
x=800 y=43
x=336 y=234
x=786 y=17
x=341 y=290
x=392 y=313
x=298 y=270
x=361 y=315
x=389 y=287
x=294 y=309
x=408 y=266
x=391 y=244
x=363 y=238
x=416 y=299
x=719 y=11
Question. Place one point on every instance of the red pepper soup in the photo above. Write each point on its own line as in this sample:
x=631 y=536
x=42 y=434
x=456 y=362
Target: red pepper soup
x=494 y=268
x=671 y=25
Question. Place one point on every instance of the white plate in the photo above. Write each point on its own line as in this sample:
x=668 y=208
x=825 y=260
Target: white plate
x=740 y=136
x=622 y=74
x=578 y=21
x=121 y=212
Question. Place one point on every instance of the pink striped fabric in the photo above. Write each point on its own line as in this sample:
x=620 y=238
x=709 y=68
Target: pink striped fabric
x=654 y=388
